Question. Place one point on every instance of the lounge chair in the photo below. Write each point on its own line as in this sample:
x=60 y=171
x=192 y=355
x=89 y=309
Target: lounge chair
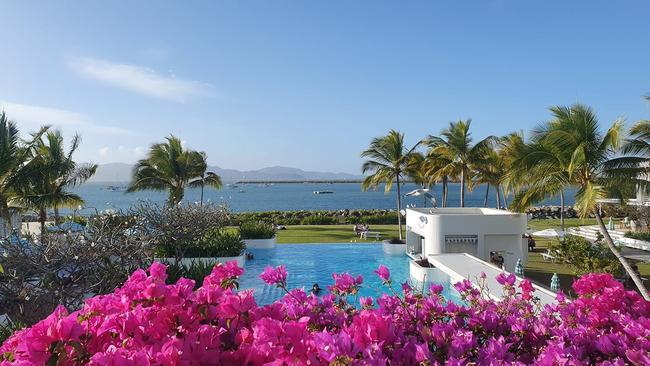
x=548 y=256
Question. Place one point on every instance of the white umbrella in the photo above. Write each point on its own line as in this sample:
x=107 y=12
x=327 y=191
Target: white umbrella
x=423 y=192
x=549 y=233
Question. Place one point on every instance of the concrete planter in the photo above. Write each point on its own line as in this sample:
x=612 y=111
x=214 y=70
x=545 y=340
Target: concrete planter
x=260 y=243
x=241 y=260
x=426 y=274
x=393 y=249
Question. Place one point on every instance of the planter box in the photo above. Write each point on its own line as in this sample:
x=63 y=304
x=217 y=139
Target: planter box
x=241 y=260
x=393 y=249
x=260 y=243
x=426 y=274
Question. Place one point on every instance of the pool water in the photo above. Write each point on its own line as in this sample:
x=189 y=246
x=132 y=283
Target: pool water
x=314 y=263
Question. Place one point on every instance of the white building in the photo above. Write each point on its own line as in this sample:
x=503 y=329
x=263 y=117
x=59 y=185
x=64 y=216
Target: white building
x=476 y=231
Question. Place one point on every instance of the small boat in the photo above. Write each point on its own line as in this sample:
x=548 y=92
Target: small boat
x=323 y=192
x=116 y=189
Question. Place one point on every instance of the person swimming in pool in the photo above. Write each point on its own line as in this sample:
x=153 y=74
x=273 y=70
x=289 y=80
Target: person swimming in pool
x=315 y=289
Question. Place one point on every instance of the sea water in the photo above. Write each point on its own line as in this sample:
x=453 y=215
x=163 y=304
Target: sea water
x=289 y=197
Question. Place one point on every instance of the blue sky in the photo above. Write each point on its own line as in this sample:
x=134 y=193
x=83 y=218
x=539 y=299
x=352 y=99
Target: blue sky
x=308 y=84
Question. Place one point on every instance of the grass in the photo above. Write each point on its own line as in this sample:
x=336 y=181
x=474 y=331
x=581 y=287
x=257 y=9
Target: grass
x=541 y=271
x=330 y=234
x=537 y=269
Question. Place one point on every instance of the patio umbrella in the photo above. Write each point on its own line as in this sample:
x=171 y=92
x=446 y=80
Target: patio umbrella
x=549 y=233
x=423 y=192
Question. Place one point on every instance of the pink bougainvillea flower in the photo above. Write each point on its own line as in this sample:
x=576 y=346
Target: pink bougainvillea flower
x=150 y=322
x=383 y=272
x=436 y=288
x=506 y=280
x=275 y=276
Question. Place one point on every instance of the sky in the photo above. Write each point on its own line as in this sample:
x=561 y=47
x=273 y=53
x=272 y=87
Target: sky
x=308 y=84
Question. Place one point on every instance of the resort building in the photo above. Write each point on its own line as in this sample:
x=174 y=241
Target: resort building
x=481 y=232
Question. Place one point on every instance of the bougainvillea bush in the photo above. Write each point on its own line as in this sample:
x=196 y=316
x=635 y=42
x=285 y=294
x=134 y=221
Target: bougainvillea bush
x=148 y=321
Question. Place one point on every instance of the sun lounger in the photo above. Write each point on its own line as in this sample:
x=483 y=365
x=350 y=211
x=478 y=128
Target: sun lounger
x=548 y=256
x=375 y=234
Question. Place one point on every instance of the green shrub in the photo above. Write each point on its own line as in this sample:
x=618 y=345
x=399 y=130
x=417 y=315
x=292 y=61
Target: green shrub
x=387 y=219
x=318 y=220
x=215 y=243
x=196 y=271
x=585 y=257
x=256 y=230
x=638 y=236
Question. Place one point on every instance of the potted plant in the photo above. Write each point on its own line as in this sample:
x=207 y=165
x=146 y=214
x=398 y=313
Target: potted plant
x=257 y=234
x=394 y=246
x=216 y=246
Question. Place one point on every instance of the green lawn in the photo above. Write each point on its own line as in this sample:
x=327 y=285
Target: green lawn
x=330 y=234
x=537 y=269
x=541 y=271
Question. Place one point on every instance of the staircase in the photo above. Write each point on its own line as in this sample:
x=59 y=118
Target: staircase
x=591 y=233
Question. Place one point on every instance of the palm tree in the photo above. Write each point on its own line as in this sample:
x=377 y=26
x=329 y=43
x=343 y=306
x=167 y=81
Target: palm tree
x=205 y=178
x=416 y=169
x=573 y=137
x=13 y=157
x=547 y=173
x=509 y=150
x=490 y=170
x=387 y=161
x=51 y=172
x=455 y=144
x=170 y=167
x=440 y=169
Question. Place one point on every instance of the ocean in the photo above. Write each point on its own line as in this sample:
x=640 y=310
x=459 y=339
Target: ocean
x=286 y=197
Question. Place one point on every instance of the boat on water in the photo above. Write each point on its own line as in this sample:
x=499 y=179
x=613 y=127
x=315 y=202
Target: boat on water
x=116 y=188
x=323 y=192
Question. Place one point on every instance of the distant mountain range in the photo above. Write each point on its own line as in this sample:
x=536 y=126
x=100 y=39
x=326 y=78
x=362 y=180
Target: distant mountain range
x=120 y=172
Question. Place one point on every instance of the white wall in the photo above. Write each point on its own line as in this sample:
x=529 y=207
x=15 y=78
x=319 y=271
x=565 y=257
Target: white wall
x=495 y=230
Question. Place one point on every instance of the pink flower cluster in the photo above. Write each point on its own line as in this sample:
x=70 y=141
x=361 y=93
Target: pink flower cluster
x=148 y=321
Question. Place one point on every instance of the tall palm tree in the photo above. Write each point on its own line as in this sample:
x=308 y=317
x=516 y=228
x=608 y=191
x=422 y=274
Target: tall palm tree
x=14 y=155
x=546 y=168
x=11 y=159
x=387 y=157
x=51 y=173
x=416 y=169
x=509 y=150
x=170 y=167
x=440 y=168
x=574 y=135
x=490 y=170
x=204 y=178
x=455 y=143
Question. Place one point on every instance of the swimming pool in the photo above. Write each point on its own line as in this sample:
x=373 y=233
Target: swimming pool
x=314 y=263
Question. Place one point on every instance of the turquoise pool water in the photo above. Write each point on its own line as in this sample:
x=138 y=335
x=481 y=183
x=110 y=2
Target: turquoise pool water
x=314 y=263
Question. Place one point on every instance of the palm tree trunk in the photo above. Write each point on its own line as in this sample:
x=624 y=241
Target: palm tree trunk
x=487 y=191
x=42 y=216
x=498 y=196
x=56 y=215
x=610 y=243
x=462 y=188
x=444 y=191
x=505 y=198
x=562 y=210
x=399 y=207
x=202 y=194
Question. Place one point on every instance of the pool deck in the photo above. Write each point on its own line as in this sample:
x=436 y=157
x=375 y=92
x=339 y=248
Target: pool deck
x=460 y=266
